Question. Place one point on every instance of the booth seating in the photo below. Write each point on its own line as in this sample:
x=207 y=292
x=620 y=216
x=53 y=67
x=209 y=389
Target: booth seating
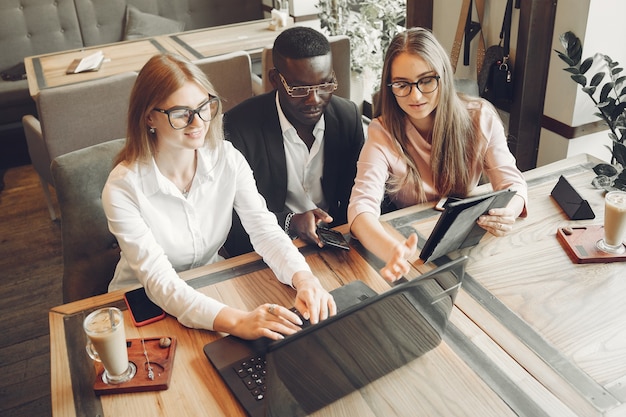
x=33 y=27
x=89 y=259
x=73 y=117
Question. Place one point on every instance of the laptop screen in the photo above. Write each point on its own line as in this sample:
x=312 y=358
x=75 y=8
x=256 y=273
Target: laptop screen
x=323 y=363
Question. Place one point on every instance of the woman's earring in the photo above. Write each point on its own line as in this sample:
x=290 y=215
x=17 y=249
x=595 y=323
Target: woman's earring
x=152 y=130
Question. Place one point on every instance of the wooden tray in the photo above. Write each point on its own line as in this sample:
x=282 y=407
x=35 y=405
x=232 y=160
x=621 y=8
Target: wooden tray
x=580 y=244
x=161 y=360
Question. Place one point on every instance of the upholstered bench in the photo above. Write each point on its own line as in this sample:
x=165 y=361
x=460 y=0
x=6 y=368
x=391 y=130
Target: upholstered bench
x=36 y=27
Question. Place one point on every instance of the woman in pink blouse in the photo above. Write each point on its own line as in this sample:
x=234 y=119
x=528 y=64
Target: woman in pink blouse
x=425 y=142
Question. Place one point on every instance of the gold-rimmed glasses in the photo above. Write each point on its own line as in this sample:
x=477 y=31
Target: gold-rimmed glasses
x=305 y=90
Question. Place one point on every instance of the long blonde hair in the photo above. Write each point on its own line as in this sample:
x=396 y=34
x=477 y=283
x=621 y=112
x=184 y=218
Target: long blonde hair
x=454 y=137
x=159 y=78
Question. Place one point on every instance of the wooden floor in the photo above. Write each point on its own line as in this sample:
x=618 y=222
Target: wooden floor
x=30 y=284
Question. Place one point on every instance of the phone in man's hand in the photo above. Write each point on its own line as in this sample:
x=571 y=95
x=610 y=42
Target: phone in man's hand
x=330 y=237
x=142 y=310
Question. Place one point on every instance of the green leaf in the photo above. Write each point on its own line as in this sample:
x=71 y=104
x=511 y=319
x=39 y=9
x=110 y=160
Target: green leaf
x=580 y=79
x=606 y=89
x=616 y=71
x=597 y=79
x=566 y=59
x=566 y=38
x=618 y=110
x=575 y=50
x=619 y=152
x=600 y=116
x=572 y=45
x=589 y=90
x=572 y=70
x=585 y=65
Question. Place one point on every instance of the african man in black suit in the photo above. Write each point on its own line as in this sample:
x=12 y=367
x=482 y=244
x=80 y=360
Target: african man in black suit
x=301 y=142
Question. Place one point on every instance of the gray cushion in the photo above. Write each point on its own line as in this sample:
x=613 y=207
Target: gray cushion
x=141 y=25
x=36 y=27
x=90 y=251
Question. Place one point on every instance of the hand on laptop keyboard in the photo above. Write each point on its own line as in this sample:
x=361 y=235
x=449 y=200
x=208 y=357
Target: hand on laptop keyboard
x=312 y=299
x=268 y=320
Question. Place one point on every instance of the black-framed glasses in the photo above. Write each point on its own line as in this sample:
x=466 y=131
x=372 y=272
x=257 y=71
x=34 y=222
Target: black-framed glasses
x=180 y=117
x=425 y=85
x=305 y=90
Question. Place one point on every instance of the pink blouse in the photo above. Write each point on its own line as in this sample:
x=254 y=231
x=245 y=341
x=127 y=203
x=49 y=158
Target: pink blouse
x=379 y=160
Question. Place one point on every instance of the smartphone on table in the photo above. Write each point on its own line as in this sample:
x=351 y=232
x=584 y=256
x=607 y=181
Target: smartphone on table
x=142 y=310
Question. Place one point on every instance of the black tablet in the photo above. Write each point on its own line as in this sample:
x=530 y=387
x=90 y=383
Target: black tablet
x=457 y=228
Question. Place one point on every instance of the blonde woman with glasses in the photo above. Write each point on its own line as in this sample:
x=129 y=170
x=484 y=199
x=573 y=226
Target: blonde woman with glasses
x=169 y=202
x=426 y=142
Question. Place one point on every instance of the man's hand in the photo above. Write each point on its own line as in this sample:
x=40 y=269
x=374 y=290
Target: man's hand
x=304 y=225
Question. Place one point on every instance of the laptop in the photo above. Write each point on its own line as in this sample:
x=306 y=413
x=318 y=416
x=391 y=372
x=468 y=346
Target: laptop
x=371 y=335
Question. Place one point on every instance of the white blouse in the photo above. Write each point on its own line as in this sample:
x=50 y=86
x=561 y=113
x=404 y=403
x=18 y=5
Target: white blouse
x=160 y=232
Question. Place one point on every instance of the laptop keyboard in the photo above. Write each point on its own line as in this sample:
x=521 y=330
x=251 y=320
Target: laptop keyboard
x=252 y=373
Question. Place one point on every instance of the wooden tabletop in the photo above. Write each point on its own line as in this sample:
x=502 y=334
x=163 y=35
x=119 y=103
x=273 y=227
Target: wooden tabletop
x=249 y=36
x=532 y=332
x=48 y=70
x=564 y=322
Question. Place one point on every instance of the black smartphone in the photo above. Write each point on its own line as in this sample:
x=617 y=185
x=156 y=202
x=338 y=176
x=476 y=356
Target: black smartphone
x=142 y=310
x=330 y=237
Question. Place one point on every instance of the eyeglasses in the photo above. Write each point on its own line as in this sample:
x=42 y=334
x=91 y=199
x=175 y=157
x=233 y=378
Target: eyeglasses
x=425 y=85
x=305 y=90
x=180 y=117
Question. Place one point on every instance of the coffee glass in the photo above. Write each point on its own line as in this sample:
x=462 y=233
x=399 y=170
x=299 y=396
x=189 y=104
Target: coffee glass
x=614 y=223
x=107 y=344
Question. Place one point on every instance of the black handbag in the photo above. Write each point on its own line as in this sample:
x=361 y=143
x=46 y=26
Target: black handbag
x=495 y=80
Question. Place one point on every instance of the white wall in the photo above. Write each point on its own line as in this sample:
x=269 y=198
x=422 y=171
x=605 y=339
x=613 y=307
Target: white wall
x=595 y=22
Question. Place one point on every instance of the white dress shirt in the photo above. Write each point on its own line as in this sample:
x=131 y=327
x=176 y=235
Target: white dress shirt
x=160 y=232
x=304 y=167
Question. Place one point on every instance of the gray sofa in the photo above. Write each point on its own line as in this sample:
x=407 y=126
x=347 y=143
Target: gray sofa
x=36 y=27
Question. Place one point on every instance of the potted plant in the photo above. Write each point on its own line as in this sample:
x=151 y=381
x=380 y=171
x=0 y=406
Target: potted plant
x=609 y=97
x=370 y=25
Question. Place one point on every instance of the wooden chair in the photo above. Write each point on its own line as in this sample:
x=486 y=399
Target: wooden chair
x=230 y=75
x=73 y=117
x=340 y=47
x=90 y=251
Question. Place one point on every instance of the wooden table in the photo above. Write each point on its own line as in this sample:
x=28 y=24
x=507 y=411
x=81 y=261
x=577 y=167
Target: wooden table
x=564 y=322
x=532 y=333
x=48 y=70
x=250 y=36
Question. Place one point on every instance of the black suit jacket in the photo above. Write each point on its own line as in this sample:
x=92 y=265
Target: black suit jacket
x=253 y=128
